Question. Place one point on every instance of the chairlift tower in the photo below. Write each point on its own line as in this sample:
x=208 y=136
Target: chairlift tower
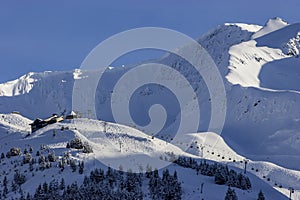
x=291 y=191
x=120 y=143
x=246 y=162
x=202 y=150
x=104 y=127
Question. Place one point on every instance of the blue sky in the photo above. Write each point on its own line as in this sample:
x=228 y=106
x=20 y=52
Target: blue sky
x=58 y=34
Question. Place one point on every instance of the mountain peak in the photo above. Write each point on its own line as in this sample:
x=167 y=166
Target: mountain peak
x=19 y=86
x=272 y=24
x=252 y=28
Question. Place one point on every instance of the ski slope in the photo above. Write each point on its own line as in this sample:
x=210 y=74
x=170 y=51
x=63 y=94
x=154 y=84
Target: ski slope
x=136 y=148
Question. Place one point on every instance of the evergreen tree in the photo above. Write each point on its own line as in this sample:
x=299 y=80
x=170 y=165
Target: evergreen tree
x=97 y=175
x=87 y=148
x=230 y=194
x=42 y=159
x=155 y=185
x=31 y=165
x=248 y=183
x=221 y=176
x=30 y=149
x=110 y=177
x=74 y=191
x=45 y=188
x=242 y=182
x=27 y=158
x=81 y=166
x=5 y=181
x=62 y=184
x=177 y=187
x=148 y=171
x=22 y=197
x=51 y=157
x=261 y=196
x=5 y=189
x=73 y=165
x=53 y=191
x=171 y=188
x=14 y=186
x=232 y=178
x=39 y=193
x=19 y=178
x=28 y=197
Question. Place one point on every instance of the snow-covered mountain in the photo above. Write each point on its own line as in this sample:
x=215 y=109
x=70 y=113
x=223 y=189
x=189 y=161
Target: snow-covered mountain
x=137 y=152
x=260 y=70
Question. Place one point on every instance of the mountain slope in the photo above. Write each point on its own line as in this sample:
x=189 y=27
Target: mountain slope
x=259 y=107
x=259 y=66
x=136 y=146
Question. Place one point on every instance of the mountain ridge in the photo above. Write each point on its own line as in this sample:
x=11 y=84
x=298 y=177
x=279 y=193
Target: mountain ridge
x=259 y=108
